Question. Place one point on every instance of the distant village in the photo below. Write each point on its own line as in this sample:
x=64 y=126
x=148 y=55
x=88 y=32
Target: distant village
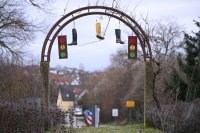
x=67 y=81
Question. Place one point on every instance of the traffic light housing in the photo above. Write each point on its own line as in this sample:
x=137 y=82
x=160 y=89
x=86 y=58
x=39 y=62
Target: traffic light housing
x=62 y=47
x=132 y=47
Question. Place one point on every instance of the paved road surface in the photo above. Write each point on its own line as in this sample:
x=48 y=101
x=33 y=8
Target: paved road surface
x=78 y=122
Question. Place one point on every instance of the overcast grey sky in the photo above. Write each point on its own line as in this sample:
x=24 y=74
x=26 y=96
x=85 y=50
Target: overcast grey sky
x=96 y=56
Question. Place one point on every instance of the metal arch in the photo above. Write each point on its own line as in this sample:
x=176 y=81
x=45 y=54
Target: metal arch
x=108 y=11
x=92 y=13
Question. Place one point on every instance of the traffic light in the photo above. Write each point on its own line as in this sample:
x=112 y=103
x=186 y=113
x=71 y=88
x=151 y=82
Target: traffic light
x=132 y=47
x=62 y=47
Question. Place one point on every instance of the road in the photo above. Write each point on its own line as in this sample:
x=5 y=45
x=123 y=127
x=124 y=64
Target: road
x=78 y=122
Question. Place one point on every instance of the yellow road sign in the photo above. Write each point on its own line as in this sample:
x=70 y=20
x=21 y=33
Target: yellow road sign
x=130 y=104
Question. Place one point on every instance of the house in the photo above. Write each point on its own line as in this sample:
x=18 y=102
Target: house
x=67 y=84
x=66 y=98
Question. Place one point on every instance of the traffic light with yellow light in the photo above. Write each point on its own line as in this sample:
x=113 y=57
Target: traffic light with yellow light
x=132 y=47
x=62 y=47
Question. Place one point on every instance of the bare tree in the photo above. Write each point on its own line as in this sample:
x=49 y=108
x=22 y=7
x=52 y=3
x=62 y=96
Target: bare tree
x=166 y=41
x=16 y=30
x=121 y=81
x=41 y=5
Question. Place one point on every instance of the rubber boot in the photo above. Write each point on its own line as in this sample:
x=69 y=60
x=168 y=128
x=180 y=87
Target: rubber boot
x=118 y=36
x=98 y=31
x=74 y=37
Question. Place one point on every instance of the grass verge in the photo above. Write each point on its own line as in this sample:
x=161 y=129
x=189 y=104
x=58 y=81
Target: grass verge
x=117 y=129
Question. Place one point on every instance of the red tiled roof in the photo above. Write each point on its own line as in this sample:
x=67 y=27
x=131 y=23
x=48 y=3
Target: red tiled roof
x=57 y=78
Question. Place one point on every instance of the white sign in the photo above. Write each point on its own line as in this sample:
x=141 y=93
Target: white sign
x=114 y=112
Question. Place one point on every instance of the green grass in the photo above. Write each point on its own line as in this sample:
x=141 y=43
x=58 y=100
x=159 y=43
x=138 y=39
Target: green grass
x=117 y=129
x=114 y=129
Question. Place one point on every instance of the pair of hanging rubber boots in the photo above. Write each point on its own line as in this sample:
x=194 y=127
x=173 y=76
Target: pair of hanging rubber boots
x=74 y=34
x=101 y=37
x=98 y=35
x=98 y=31
x=118 y=36
x=74 y=37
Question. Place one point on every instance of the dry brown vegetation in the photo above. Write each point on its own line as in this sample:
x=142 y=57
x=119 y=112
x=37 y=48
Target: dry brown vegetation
x=122 y=81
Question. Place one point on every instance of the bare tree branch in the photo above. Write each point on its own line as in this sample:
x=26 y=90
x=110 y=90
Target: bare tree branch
x=15 y=29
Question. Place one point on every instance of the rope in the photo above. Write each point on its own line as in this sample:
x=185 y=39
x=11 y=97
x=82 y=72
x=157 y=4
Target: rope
x=74 y=24
x=108 y=20
x=89 y=43
x=66 y=6
x=106 y=26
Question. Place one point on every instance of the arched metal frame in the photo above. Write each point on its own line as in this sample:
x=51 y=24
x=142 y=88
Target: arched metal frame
x=95 y=10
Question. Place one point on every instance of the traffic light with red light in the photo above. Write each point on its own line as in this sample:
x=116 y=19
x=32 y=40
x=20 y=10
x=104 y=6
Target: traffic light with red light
x=132 y=47
x=62 y=47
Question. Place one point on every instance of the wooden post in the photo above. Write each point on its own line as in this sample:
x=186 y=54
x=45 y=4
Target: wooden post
x=45 y=92
x=148 y=88
x=129 y=115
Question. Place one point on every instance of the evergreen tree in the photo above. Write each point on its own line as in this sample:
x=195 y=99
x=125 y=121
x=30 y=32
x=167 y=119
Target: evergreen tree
x=190 y=66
